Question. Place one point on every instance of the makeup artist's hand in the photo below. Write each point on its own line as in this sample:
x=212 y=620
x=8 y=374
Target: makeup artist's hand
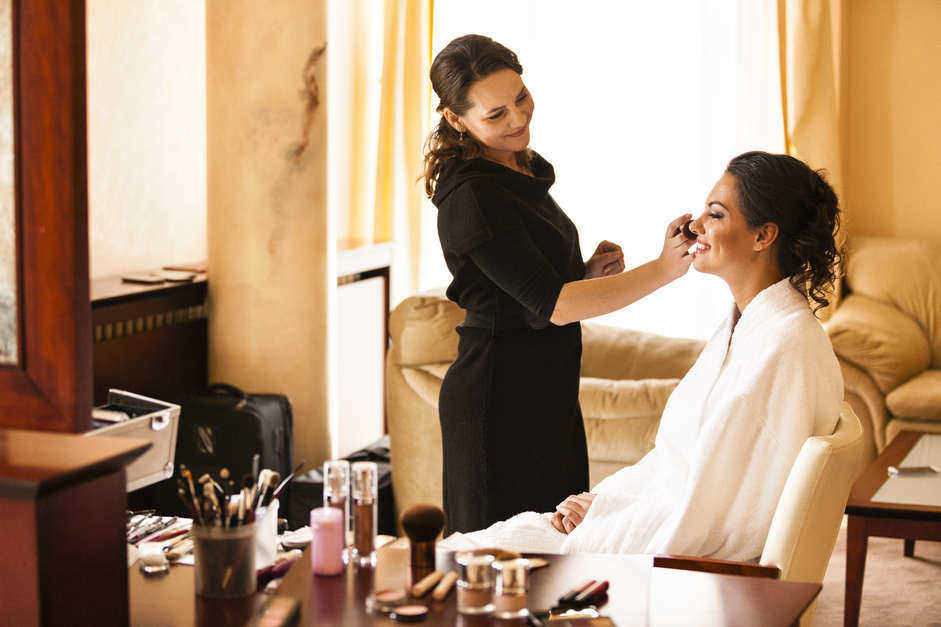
x=608 y=259
x=571 y=512
x=674 y=260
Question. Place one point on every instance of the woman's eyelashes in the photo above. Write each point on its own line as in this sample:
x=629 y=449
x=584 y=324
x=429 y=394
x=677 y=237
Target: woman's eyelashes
x=500 y=113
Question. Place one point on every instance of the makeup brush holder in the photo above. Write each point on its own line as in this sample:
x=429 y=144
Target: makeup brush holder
x=224 y=561
x=266 y=538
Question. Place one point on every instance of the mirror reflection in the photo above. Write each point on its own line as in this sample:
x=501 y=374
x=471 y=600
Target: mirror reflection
x=8 y=318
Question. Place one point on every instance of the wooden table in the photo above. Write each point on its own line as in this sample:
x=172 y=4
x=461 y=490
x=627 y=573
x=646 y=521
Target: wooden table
x=639 y=594
x=885 y=520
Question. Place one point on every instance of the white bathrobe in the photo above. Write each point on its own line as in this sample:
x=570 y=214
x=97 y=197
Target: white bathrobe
x=728 y=437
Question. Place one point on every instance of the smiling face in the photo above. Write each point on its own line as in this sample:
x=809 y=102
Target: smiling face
x=725 y=244
x=501 y=109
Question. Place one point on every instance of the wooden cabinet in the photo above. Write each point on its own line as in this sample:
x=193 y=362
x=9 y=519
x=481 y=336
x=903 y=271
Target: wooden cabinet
x=149 y=339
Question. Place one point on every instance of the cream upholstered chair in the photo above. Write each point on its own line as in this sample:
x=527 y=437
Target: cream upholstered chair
x=809 y=512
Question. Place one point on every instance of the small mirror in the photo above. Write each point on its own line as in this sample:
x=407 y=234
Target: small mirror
x=8 y=308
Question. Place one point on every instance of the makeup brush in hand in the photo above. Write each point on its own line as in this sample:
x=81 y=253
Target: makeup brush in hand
x=422 y=523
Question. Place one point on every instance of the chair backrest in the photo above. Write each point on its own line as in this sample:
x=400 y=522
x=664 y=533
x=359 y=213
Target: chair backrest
x=807 y=519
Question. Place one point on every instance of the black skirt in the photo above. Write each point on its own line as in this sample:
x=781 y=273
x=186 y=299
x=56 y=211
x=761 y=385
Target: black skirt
x=512 y=431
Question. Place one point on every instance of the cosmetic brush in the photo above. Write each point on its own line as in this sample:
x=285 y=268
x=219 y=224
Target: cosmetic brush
x=209 y=496
x=422 y=523
x=207 y=478
x=170 y=534
x=287 y=480
x=273 y=480
x=268 y=487
x=179 y=541
x=259 y=486
x=188 y=476
x=247 y=483
x=180 y=551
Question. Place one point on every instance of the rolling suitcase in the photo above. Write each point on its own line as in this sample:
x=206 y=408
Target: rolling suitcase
x=224 y=427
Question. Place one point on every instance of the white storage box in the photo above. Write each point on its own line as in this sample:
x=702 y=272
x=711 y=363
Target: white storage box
x=147 y=419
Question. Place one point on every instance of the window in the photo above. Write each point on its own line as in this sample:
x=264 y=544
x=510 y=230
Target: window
x=639 y=106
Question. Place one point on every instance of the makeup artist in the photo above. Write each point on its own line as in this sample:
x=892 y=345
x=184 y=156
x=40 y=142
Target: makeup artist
x=512 y=431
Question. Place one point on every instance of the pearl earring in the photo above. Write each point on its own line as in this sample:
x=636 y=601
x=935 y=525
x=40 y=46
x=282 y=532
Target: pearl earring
x=462 y=137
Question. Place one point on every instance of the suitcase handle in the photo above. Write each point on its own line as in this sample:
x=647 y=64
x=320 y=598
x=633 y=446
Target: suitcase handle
x=224 y=389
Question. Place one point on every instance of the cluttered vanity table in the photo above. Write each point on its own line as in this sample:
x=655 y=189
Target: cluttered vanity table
x=638 y=594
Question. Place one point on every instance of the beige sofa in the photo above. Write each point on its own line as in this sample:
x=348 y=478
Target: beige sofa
x=886 y=332
x=626 y=379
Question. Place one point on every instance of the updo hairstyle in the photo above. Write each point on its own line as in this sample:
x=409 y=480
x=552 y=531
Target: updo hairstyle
x=785 y=191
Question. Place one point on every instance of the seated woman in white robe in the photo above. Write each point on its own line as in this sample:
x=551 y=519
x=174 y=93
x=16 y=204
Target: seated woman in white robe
x=764 y=383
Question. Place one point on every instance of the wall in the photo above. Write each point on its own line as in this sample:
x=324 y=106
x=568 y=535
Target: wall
x=146 y=133
x=270 y=247
x=892 y=149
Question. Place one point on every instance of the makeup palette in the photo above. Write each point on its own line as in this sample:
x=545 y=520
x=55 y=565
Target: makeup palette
x=409 y=614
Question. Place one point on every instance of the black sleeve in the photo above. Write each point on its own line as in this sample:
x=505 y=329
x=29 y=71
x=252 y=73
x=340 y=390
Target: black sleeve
x=480 y=222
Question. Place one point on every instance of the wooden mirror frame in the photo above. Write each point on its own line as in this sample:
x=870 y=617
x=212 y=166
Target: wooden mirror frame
x=50 y=387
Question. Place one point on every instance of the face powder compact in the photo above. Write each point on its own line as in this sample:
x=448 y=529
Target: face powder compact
x=409 y=614
x=385 y=601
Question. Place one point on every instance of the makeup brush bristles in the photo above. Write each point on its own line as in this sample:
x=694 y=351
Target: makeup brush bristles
x=422 y=522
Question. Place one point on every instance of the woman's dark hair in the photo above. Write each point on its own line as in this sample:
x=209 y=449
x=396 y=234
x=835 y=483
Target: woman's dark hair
x=457 y=67
x=785 y=191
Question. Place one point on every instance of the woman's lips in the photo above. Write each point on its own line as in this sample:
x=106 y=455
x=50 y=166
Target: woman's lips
x=701 y=248
x=519 y=132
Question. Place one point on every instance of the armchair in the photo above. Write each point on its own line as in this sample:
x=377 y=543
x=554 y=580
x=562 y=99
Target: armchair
x=808 y=516
x=886 y=333
x=627 y=377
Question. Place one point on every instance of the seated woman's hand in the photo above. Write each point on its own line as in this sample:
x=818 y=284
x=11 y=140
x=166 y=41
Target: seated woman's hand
x=607 y=260
x=571 y=512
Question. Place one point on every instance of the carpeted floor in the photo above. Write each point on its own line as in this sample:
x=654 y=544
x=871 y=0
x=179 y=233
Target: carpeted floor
x=897 y=590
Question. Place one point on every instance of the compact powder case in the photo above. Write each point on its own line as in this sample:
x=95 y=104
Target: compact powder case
x=385 y=601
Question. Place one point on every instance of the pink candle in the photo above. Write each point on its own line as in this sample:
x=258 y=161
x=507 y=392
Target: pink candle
x=327 y=541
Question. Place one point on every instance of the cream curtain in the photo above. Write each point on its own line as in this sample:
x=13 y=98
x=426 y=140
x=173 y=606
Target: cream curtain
x=384 y=117
x=809 y=40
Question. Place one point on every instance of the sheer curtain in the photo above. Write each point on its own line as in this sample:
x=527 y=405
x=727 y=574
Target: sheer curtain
x=639 y=106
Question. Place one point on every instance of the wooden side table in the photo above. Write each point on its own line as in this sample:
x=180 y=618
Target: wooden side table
x=866 y=517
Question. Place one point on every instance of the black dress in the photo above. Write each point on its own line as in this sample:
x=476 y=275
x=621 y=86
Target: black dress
x=512 y=431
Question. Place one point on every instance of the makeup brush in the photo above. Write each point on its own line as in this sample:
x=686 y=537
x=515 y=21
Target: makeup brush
x=287 y=480
x=270 y=483
x=422 y=523
x=209 y=493
x=273 y=481
x=259 y=482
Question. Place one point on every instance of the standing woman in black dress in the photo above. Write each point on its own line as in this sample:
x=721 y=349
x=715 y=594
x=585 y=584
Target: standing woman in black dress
x=512 y=431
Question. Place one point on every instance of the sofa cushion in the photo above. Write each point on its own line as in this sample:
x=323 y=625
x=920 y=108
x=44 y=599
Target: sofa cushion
x=422 y=330
x=621 y=417
x=880 y=339
x=918 y=398
x=905 y=273
x=607 y=398
x=615 y=353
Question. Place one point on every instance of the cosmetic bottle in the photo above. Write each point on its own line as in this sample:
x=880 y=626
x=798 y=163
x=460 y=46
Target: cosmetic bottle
x=365 y=477
x=475 y=587
x=509 y=594
x=336 y=494
x=327 y=541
